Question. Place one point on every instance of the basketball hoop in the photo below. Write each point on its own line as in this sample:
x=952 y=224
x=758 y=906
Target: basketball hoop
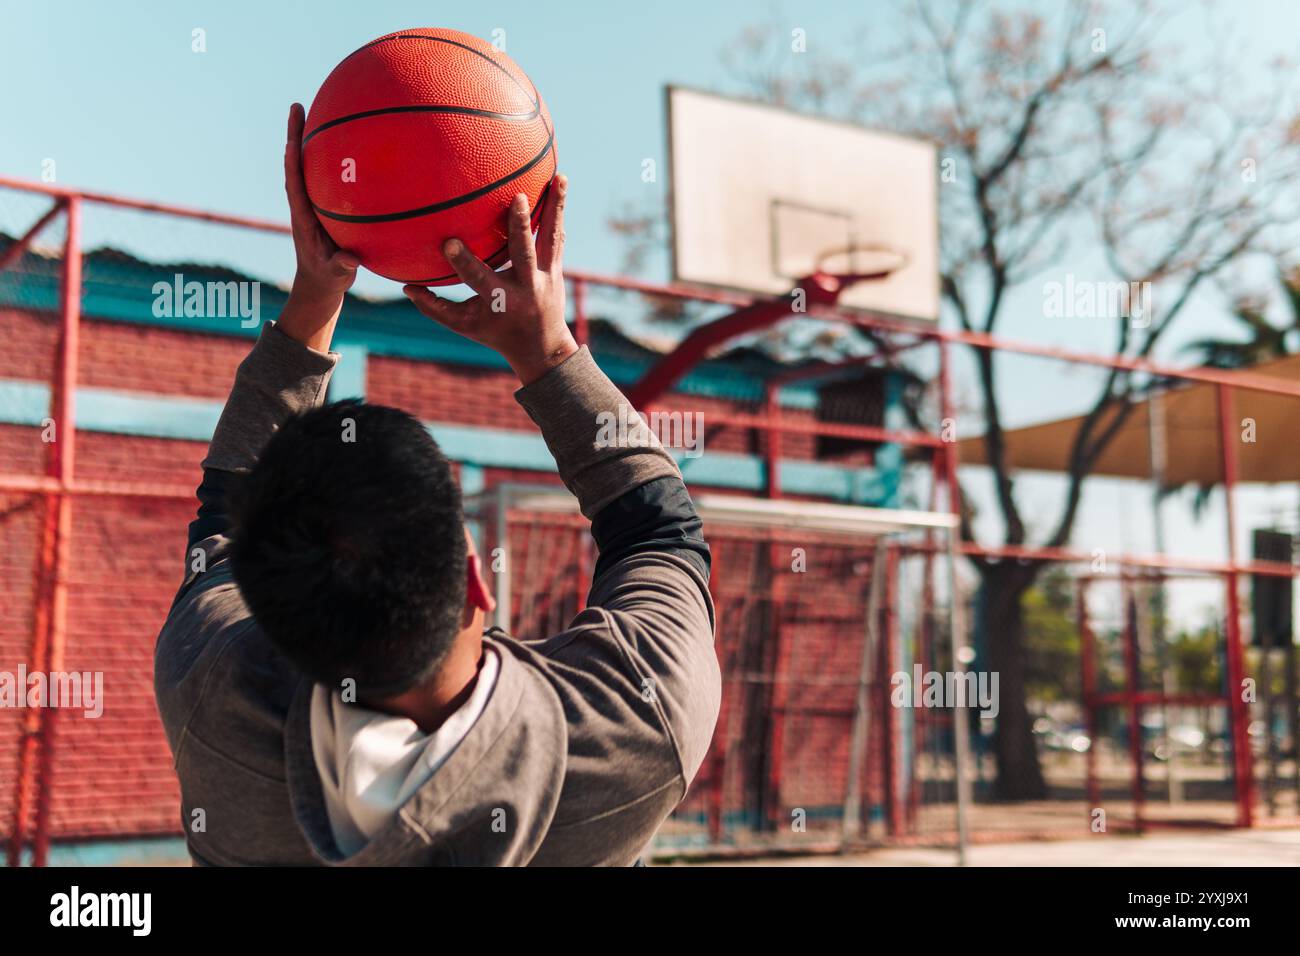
x=802 y=216
x=860 y=262
x=838 y=268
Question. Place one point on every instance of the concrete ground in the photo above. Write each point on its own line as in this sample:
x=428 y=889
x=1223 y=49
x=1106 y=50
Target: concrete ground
x=1259 y=847
x=1197 y=848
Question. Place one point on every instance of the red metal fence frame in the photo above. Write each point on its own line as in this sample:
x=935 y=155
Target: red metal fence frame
x=60 y=486
x=1132 y=698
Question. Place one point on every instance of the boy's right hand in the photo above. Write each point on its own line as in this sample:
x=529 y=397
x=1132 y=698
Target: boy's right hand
x=519 y=312
x=325 y=272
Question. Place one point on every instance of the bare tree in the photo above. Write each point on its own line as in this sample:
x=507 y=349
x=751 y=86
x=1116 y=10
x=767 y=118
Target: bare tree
x=1073 y=122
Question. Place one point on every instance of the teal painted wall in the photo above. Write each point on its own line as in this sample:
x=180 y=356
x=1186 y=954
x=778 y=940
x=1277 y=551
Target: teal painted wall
x=189 y=419
x=121 y=289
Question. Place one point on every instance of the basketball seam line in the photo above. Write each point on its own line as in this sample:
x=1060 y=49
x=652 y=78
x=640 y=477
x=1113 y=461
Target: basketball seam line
x=458 y=110
x=541 y=202
x=463 y=46
x=446 y=203
x=451 y=275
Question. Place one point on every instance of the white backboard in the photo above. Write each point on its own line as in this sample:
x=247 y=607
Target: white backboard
x=758 y=192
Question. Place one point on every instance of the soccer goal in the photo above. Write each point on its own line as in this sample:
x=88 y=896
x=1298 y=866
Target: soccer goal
x=822 y=611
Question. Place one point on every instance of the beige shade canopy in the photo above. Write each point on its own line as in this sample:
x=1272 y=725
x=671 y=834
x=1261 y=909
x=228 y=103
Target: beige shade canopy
x=1193 y=451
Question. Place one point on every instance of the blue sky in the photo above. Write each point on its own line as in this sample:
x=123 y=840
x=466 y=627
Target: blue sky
x=113 y=93
x=115 y=96
x=125 y=106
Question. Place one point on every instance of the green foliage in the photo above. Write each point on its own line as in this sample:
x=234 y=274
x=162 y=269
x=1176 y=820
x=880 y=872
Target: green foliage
x=1194 y=657
x=1052 y=645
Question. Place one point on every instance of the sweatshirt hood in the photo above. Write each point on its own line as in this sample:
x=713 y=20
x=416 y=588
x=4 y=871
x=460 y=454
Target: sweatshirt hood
x=370 y=763
x=489 y=802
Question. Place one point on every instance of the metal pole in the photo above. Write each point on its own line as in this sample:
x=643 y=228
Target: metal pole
x=28 y=748
x=28 y=755
x=1237 y=711
x=889 y=666
x=779 y=695
x=851 y=819
x=925 y=743
x=957 y=635
x=63 y=453
x=1292 y=714
x=1159 y=450
x=1134 y=708
x=1292 y=691
x=15 y=250
x=961 y=745
x=1270 y=739
x=1088 y=664
x=187 y=212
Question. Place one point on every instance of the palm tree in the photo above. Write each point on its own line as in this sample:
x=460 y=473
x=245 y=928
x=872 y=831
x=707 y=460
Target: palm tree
x=1265 y=340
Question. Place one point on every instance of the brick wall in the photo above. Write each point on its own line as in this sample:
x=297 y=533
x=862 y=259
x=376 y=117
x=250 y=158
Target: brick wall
x=486 y=397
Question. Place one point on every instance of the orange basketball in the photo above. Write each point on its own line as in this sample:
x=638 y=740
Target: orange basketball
x=419 y=136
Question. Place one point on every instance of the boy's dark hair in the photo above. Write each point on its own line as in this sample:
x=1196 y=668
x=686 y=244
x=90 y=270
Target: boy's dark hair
x=348 y=546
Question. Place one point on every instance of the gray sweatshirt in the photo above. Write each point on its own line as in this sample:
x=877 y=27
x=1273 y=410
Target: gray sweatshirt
x=589 y=739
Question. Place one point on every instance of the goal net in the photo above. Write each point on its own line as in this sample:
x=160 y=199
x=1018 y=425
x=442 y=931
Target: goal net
x=818 y=606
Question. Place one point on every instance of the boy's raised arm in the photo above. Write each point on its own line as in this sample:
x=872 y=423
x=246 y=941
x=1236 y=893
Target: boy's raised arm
x=289 y=368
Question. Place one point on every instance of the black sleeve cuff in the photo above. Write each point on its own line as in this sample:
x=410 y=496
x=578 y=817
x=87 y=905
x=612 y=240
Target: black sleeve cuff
x=656 y=516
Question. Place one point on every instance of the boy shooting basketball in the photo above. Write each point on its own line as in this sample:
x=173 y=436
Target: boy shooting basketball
x=323 y=676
